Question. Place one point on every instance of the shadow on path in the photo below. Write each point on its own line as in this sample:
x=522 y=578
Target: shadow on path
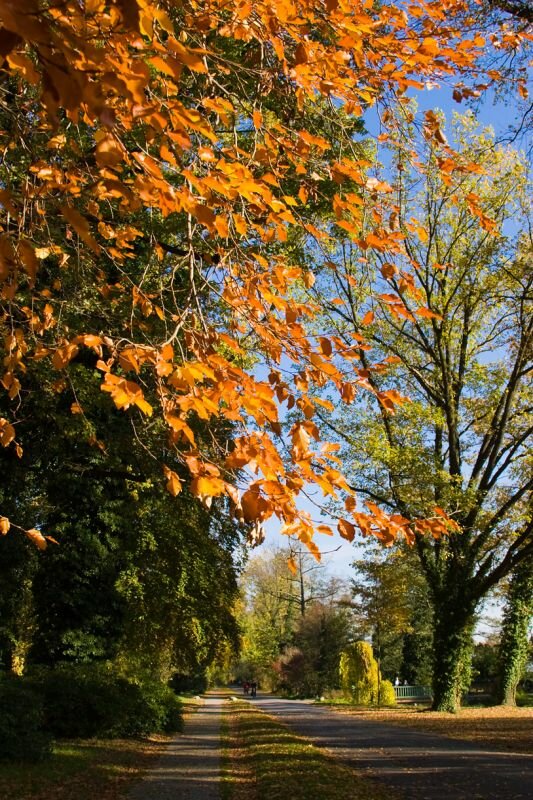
x=190 y=767
x=424 y=766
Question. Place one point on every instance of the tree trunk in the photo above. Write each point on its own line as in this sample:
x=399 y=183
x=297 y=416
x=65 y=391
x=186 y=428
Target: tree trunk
x=24 y=629
x=452 y=648
x=514 y=644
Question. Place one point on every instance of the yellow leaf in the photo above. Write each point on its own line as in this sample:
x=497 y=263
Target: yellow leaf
x=4 y=525
x=109 y=151
x=204 y=486
x=222 y=227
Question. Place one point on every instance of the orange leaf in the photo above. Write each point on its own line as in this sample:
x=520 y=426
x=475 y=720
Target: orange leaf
x=346 y=529
x=191 y=58
x=81 y=226
x=350 y=503
x=427 y=313
x=325 y=529
x=4 y=525
x=37 y=538
x=173 y=482
x=7 y=432
x=325 y=346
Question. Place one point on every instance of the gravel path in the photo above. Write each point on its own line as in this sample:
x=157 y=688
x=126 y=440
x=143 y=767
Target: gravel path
x=190 y=768
x=423 y=766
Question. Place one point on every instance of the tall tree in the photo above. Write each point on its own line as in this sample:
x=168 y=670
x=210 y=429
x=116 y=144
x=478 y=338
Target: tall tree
x=311 y=667
x=458 y=344
x=515 y=636
x=391 y=604
x=280 y=589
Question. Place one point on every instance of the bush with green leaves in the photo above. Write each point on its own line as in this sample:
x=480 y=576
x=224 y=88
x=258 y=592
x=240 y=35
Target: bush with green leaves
x=359 y=673
x=387 y=697
x=360 y=677
x=82 y=701
x=22 y=733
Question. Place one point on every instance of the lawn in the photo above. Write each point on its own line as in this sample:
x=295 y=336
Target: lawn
x=496 y=727
x=264 y=760
x=92 y=769
x=82 y=770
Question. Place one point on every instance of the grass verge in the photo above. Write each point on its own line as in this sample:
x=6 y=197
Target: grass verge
x=88 y=769
x=264 y=760
x=82 y=770
x=496 y=727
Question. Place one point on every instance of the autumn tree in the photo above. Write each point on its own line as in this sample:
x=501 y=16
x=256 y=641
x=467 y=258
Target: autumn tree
x=456 y=353
x=290 y=609
x=92 y=596
x=185 y=132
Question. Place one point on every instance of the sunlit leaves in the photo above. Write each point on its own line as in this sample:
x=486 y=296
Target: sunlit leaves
x=173 y=485
x=125 y=393
x=37 y=538
x=157 y=113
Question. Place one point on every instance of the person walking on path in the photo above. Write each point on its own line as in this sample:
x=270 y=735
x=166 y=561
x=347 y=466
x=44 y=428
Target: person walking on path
x=190 y=768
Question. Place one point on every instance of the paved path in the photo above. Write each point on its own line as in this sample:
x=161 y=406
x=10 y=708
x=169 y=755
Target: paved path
x=423 y=766
x=190 y=768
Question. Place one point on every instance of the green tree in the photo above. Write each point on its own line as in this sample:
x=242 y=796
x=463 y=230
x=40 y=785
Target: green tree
x=281 y=589
x=320 y=637
x=391 y=603
x=453 y=325
x=515 y=640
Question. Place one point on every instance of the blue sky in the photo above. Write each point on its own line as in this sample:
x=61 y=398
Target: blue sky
x=499 y=113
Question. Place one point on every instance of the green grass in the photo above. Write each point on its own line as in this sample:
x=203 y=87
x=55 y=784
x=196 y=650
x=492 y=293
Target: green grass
x=264 y=760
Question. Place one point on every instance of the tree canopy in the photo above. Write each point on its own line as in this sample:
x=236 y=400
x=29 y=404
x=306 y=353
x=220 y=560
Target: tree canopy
x=158 y=160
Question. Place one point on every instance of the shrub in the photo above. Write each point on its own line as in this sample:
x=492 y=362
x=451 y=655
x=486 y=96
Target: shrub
x=183 y=684
x=22 y=735
x=387 y=696
x=83 y=701
x=359 y=673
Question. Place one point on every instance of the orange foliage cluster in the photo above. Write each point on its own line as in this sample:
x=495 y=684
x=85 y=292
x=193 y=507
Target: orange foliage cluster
x=166 y=66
